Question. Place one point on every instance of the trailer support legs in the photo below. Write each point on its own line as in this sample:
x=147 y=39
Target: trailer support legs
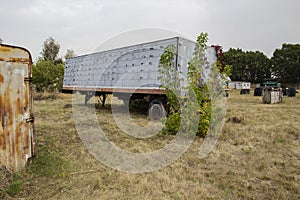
x=102 y=99
x=88 y=96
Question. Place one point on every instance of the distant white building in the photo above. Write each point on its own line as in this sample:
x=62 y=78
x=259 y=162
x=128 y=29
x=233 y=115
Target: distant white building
x=239 y=85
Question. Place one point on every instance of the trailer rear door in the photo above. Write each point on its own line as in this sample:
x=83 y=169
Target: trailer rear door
x=16 y=107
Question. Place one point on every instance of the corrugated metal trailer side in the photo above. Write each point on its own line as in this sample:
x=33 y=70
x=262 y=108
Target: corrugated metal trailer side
x=16 y=107
x=132 y=69
x=127 y=69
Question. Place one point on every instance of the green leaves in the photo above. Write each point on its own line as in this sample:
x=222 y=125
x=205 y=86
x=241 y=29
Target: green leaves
x=256 y=67
x=70 y=54
x=197 y=86
x=170 y=80
x=47 y=76
x=248 y=66
x=169 y=77
x=48 y=72
x=202 y=39
x=286 y=63
x=196 y=90
x=50 y=50
x=201 y=105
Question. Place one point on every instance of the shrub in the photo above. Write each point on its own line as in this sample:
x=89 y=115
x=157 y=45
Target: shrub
x=196 y=89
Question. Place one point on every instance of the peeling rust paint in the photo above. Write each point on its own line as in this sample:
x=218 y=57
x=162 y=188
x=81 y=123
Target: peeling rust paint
x=5 y=49
x=19 y=60
x=16 y=111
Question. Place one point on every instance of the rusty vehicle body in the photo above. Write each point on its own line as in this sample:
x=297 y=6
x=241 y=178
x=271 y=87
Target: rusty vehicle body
x=16 y=107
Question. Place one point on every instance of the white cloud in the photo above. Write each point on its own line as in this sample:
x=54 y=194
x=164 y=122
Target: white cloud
x=57 y=8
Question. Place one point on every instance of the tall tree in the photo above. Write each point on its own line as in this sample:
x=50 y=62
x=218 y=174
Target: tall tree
x=286 y=63
x=50 y=50
x=1 y=41
x=48 y=71
x=234 y=57
x=248 y=66
x=70 y=54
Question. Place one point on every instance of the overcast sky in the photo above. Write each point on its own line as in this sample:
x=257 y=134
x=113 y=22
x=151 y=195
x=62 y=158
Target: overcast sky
x=83 y=26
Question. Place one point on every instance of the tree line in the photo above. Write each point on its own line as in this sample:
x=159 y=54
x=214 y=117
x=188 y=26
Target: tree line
x=255 y=67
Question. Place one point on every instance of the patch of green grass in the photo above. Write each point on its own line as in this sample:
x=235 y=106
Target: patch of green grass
x=227 y=192
x=15 y=186
x=48 y=163
x=248 y=150
x=281 y=140
x=176 y=195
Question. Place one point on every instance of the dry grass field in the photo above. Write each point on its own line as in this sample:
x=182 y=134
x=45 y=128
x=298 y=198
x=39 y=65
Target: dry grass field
x=257 y=157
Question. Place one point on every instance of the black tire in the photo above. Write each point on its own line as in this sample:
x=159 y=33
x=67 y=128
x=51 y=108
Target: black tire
x=245 y=91
x=292 y=92
x=258 y=92
x=156 y=110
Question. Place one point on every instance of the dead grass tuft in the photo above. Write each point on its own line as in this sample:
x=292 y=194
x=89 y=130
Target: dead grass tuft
x=5 y=180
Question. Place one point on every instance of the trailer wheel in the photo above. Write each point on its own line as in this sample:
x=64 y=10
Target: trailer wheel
x=156 y=110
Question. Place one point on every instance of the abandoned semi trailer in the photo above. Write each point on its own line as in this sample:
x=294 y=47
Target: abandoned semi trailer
x=129 y=71
x=17 y=130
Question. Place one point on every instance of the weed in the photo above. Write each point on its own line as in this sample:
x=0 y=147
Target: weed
x=281 y=140
x=227 y=192
x=15 y=186
x=48 y=163
x=176 y=196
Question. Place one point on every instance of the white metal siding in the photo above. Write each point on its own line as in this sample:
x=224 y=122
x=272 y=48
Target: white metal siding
x=129 y=67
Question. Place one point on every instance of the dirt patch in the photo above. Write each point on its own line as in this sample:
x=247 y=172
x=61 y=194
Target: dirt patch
x=68 y=105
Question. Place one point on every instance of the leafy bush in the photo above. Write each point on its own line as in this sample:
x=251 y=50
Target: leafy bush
x=48 y=72
x=172 y=83
x=47 y=76
x=172 y=123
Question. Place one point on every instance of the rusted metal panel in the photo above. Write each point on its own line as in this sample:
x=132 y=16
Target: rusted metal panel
x=16 y=107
